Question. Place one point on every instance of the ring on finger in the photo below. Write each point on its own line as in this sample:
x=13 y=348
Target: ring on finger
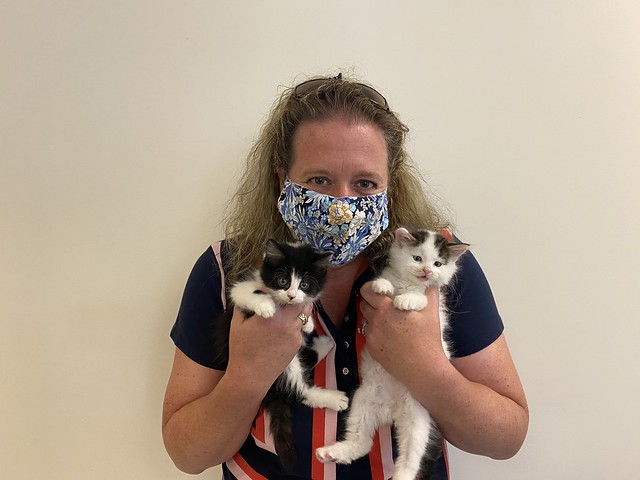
x=303 y=318
x=361 y=328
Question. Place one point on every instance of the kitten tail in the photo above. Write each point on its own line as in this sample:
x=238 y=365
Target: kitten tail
x=282 y=432
x=278 y=405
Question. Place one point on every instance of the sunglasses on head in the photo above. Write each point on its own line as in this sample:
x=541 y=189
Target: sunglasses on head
x=311 y=85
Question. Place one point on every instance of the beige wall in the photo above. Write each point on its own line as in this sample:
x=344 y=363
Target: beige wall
x=123 y=125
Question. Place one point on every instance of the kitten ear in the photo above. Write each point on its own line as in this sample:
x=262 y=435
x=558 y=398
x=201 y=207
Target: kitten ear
x=324 y=259
x=403 y=236
x=273 y=251
x=456 y=250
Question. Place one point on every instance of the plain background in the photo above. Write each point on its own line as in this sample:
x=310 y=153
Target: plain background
x=123 y=129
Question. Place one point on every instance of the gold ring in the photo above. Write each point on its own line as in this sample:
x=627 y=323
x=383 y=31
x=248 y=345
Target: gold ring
x=361 y=328
x=303 y=318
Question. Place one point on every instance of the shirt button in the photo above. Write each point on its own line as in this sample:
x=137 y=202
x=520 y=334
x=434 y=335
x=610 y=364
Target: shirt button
x=346 y=344
x=345 y=371
x=346 y=319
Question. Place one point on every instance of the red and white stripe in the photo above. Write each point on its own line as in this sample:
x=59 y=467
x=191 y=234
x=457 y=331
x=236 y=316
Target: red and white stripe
x=325 y=421
x=242 y=470
x=381 y=454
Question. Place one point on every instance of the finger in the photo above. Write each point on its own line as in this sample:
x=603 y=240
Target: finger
x=308 y=308
x=295 y=311
x=376 y=300
x=433 y=297
x=238 y=314
x=366 y=308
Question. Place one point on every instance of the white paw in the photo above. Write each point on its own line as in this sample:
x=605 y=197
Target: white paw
x=324 y=454
x=382 y=286
x=265 y=308
x=338 y=452
x=331 y=399
x=336 y=400
x=341 y=402
x=410 y=301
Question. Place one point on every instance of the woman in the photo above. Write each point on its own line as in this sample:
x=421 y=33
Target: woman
x=338 y=138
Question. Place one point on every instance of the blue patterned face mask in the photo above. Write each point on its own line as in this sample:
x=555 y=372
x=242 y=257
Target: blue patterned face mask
x=344 y=226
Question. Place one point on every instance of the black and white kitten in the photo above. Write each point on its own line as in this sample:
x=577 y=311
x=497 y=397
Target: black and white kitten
x=416 y=260
x=290 y=274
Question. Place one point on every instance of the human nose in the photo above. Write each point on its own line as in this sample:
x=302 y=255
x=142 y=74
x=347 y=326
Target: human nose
x=342 y=190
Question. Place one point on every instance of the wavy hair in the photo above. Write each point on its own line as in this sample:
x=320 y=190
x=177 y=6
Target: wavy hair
x=252 y=215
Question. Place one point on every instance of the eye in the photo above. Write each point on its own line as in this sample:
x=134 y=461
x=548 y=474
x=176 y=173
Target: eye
x=366 y=185
x=417 y=258
x=437 y=264
x=282 y=282
x=318 y=180
x=304 y=285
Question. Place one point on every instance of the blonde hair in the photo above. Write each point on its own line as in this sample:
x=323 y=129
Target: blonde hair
x=252 y=215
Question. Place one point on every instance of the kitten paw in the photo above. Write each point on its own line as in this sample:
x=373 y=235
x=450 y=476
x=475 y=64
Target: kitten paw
x=324 y=455
x=338 y=452
x=331 y=399
x=266 y=308
x=337 y=401
x=382 y=286
x=410 y=301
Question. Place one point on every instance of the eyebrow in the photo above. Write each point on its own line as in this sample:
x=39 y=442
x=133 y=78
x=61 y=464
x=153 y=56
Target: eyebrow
x=328 y=173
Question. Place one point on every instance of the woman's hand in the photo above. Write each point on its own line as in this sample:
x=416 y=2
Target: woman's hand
x=477 y=400
x=261 y=348
x=402 y=340
x=208 y=413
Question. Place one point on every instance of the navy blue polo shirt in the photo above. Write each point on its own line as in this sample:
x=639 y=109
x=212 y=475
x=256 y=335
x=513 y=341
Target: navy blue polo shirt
x=475 y=324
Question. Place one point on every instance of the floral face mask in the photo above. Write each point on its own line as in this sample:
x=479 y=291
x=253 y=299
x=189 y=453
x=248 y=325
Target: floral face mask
x=344 y=226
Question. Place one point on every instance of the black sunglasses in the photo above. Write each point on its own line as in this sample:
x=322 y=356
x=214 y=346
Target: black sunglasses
x=311 y=85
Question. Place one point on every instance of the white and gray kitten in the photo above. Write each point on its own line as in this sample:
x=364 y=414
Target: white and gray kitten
x=417 y=260
x=290 y=274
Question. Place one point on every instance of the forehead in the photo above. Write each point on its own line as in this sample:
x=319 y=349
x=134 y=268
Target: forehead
x=336 y=143
x=431 y=242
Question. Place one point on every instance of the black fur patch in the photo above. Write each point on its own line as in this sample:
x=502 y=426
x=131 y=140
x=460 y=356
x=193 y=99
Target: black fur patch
x=440 y=242
x=283 y=260
x=432 y=454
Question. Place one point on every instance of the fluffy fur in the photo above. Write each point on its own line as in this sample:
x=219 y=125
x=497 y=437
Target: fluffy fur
x=417 y=260
x=290 y=274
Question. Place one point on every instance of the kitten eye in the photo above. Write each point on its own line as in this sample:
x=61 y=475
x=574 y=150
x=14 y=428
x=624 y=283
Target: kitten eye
x=304 y=285
x=282 y=282
x=417 y=258
x=437 y=264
